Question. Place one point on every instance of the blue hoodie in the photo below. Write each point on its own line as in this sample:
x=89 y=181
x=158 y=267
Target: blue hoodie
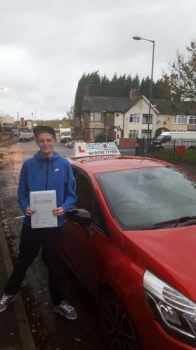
x=51 y=173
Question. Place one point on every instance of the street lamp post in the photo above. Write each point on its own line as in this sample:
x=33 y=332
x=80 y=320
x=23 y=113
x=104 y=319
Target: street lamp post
x=106 y=127
x=37 y=109
x=150 y=95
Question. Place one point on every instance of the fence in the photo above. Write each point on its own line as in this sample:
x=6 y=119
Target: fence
x=178 y=150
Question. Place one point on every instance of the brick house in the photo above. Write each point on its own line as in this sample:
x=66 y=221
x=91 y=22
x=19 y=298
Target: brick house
x=130 y=116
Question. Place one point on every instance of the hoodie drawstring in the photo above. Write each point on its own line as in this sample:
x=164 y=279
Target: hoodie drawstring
x=47 y=165
x=48 y=160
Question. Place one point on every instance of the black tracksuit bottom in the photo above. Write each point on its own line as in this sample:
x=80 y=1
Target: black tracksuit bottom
x=30 y=243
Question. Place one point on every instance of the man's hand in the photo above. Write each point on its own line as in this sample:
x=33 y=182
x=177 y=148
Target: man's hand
x=58 y=211
x=29 y=211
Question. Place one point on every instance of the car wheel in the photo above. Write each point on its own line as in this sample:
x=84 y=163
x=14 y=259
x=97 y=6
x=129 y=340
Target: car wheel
x=116 y=324
x=191 y=147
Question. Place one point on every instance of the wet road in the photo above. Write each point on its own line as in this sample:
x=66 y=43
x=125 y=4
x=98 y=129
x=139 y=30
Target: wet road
x=51 y=331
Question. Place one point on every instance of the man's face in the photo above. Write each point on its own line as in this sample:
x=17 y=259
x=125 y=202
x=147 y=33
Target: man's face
x=46 y=143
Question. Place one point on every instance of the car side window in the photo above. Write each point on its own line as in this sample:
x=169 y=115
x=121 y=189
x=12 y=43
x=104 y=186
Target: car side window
x=84 y=192
x=87 y=200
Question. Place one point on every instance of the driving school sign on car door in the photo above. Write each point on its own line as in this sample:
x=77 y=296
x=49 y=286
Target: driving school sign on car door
x=82 y=149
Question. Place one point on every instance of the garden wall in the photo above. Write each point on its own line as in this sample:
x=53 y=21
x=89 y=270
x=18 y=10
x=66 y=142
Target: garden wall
x=126 y=143
x=5 y=136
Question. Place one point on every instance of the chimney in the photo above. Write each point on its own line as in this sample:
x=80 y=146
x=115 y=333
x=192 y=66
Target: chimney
x=133 y=93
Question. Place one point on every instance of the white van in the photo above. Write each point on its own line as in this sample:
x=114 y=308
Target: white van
x=65 y=134
x=167 y=139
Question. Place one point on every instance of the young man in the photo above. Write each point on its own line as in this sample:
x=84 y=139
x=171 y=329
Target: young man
x=47 y=170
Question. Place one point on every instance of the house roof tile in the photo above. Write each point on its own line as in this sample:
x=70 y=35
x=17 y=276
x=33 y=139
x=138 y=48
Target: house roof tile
x=174 y=108
x=109 y=104
x=122 y=104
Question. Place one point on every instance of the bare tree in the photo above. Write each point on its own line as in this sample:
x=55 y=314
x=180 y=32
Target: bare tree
x=182 y=79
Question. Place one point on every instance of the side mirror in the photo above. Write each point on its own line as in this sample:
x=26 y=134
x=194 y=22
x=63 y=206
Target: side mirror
x=80 y=217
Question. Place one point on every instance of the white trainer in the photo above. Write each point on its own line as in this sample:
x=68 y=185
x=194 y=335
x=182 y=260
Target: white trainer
x=6 y=300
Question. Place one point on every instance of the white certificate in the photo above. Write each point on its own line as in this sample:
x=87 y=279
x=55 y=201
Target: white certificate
x=43 y=202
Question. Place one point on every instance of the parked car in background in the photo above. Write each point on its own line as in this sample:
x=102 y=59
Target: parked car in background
x=131 y=240
x=169 y=139
x=32 y=136
x=25 y=136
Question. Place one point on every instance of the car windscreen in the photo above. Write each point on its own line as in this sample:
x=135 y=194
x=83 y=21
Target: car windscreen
x=24 y=134
x=141 y=198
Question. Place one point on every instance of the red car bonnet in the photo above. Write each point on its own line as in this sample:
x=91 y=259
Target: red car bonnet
x=168 y=253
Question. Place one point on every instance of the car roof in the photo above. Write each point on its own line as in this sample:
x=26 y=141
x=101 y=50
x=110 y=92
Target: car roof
x=99 y=164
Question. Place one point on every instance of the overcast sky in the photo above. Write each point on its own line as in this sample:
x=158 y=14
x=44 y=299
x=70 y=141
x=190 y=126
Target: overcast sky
x=47 y=45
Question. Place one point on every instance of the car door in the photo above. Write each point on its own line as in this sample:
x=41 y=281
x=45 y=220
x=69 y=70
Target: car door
x=83 y=252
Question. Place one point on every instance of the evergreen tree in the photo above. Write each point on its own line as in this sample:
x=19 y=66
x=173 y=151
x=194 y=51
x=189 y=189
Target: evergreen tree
x=105 y=86
x=119 y=87
x=121 y=91
x=93 y=80
x=136 y=82
x=162 y=90
x=166 y=89
x=128 y=85
x=144 y=88
x=80 y=94
x=114 y=89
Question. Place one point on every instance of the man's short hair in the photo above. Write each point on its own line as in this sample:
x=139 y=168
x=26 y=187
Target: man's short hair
x=43 y=128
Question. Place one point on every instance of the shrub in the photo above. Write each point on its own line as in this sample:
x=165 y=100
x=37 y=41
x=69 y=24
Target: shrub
x=102 y=138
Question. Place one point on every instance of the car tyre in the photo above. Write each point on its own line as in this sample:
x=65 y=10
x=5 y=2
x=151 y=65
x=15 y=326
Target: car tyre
x=116 y=324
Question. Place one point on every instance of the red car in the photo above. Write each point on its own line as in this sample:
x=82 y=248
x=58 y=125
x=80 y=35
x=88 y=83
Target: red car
x=132 y=240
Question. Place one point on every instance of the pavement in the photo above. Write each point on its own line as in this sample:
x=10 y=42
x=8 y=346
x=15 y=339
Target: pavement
x=15 y=331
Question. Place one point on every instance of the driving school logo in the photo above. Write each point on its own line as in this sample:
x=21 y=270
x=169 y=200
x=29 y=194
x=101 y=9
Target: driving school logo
x=100 y=146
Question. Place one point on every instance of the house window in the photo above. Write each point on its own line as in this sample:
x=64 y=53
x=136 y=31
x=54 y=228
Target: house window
x=134 y=118
x=94 y=132
x=192 y=119
x=147 y=119
x=96 y=117
x=180 y=119
x=133 y=134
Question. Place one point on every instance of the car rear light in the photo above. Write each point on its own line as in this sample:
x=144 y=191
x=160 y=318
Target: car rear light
x=172 y=310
